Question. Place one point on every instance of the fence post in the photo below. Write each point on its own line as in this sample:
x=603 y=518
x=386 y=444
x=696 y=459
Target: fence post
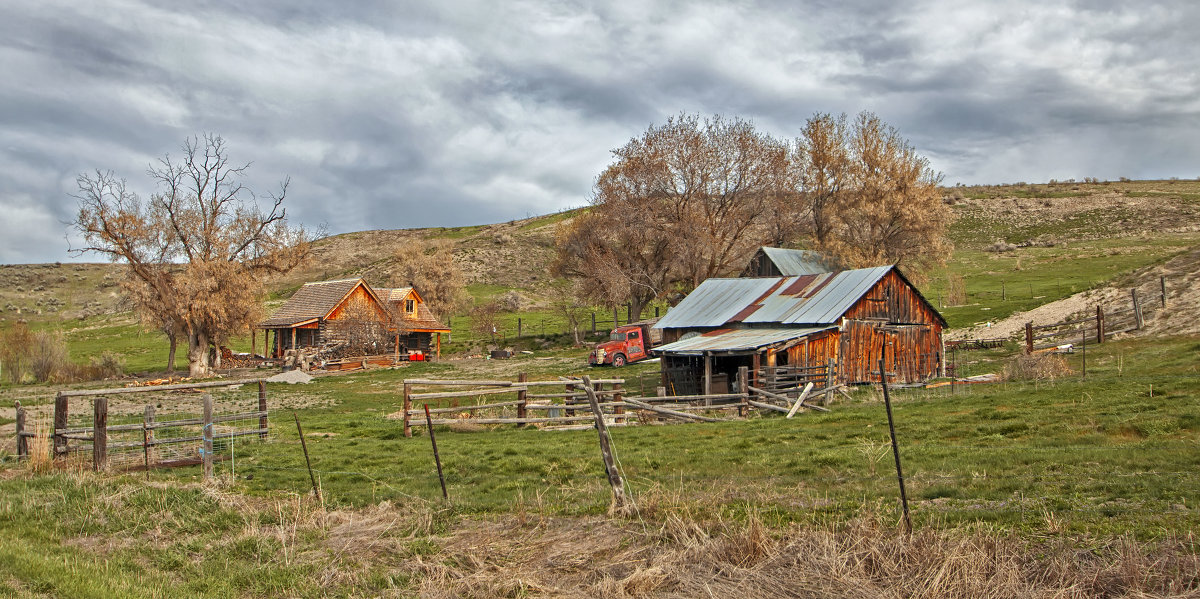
x=1162 y=285
x=743 y=378
x=22 y=441
x=610 y=465
x=619 y=399
x=100 y=434
x=207 y=450
x=828 y=383
x=522 y=396
x=1099 y=324
x=887 y=401
x=1137 y=309
x=407 y=407
x=148 y=437
x=262 y=407
x=1029 y=337
x=593 y=323
x=519 y=327
x=60 y=424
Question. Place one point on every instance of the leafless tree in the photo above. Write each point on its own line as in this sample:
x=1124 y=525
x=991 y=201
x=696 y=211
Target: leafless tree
x=431 y=270
x=198 y=249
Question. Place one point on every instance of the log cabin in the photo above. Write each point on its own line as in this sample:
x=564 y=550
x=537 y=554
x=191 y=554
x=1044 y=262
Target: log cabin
x=807 y=321
x=350 y=312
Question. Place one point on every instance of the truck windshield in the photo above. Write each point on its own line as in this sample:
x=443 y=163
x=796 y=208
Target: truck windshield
x=615 y=336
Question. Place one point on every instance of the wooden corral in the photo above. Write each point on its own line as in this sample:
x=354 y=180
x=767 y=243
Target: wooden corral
x=843 y=318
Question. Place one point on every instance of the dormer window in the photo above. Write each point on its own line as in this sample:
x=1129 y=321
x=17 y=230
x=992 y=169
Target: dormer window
x=410 y=306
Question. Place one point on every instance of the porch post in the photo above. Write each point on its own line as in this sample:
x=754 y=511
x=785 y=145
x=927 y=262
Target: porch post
x=707 y=373
x=439 y=346
x=252 y=334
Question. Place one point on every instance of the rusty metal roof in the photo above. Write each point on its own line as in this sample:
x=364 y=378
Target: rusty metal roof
x=812 y=299
x=736 y=340
x=799 y=262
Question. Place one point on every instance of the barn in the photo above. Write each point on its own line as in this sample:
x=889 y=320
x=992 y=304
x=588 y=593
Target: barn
x=350 y=312
x=842 y=318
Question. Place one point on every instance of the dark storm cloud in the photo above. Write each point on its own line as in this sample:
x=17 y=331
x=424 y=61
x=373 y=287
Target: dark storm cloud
x=387 y=115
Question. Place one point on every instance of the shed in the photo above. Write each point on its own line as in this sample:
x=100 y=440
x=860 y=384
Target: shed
x=802 y=321
x=781 y=262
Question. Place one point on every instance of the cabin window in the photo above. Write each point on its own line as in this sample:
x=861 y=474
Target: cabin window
x=410 y=306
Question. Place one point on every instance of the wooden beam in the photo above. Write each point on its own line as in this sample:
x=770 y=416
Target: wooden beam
x=660 y=410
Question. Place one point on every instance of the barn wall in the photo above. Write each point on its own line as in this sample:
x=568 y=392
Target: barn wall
x=815 y=350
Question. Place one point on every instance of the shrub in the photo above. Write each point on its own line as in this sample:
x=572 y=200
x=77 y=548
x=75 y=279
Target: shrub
x=956 y=290
x=1036 y=367
x=15 y=346
x=1000 y=246
x=49 y=357
x=107 y=365
x=511 y=301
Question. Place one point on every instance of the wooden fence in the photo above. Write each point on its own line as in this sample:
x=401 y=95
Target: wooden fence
x=536 y=402
x=145 y=444
x=1095 y=328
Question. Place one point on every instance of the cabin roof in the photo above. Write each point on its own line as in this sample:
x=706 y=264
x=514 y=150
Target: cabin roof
x=312 y=301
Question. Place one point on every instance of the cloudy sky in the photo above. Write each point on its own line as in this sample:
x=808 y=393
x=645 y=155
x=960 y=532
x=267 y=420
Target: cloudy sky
x=396 y=114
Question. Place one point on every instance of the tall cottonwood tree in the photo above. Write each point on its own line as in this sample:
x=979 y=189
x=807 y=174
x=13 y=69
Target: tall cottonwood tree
x=683 y=202
x=871 y=197
x=432 y=271
x=198 y=249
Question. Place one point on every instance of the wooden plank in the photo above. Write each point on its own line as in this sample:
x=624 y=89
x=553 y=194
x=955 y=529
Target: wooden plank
x=767 y=406
x=465 y=393
x=459 y=382
x=446 y=421
x=610 y=463
x=179 y=387
x=660 y=410
x=499 y=404
x=558 y=406
x=783 y=398
x=800 y=400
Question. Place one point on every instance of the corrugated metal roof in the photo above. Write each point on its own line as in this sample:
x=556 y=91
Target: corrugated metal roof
x=715 y=302
x=801 y=300
x=799 y=262
x=733 y=340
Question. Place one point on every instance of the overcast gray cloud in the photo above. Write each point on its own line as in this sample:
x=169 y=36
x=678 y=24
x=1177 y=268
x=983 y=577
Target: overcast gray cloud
x=389 y=115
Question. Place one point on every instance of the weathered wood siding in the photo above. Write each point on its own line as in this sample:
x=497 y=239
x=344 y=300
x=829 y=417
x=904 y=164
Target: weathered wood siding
x=914 y=331
x=357 y=320
x=814 y=350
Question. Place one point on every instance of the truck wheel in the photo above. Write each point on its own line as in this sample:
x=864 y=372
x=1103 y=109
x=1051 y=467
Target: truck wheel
x=619 y=360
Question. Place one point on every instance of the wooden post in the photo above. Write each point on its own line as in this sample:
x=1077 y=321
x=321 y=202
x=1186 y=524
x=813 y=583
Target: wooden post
x=253 y=334
x=439 y=346
x=307 y=462
x=60 y=425
x=396 y=356
x=262 y=407
x=1162 y=285
x=148 y=436
x=1083 y=348
x=829 y=380
x=518 y=327
x=522 y=396
x=743 y=379
x=593 y=323
x=754 y=369
x=207 y=450
x=407 y=407
x=895 y=446
x=619 y=399
x=656 y=311
x=1099 y=324
x=22 y=441
x=707 y=377
x=1029 y=338
x=437 y=459
x=293 y=339
x=610 y=464
x=100 y=434
x=1137 y=309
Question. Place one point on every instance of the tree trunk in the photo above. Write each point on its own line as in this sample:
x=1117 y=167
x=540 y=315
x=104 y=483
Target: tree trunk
x=174 y=339
x=197 y=354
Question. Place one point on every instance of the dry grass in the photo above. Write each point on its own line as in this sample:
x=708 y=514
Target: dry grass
x=1036 y=367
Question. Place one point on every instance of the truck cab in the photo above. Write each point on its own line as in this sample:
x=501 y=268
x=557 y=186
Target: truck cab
x=625 y=344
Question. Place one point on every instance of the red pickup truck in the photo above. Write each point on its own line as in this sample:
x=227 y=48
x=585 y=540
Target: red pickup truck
x=628 y=343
